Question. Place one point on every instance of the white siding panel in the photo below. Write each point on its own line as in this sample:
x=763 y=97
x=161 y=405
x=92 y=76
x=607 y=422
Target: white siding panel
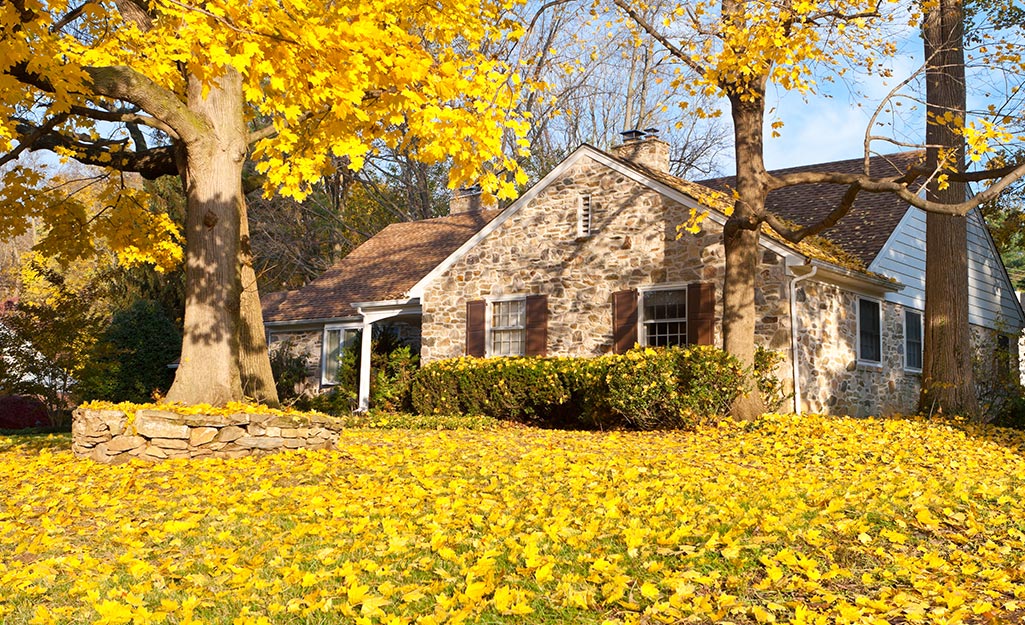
x=994 y=304
x=992 y=301
x=903 y=258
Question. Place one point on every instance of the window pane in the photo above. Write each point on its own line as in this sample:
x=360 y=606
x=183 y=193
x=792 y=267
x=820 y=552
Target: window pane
x=870 y=347
x=332 y=354
x=913 y=339
x=508 y=328
x=665 y=318
x=335 y=342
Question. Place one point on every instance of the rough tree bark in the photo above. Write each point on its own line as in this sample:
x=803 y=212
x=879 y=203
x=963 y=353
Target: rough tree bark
x=740 y=242
x=257 y=377
x=213 y=179
x=948 y=383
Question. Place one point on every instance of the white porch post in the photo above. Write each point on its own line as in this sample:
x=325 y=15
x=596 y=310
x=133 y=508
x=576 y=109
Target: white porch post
x=364 y=364
x=371 y=313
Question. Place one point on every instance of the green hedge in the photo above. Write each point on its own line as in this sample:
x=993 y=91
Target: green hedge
x=645 y=388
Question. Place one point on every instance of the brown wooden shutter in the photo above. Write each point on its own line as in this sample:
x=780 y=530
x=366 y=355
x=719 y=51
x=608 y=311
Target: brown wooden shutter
x=475 y=328
x=537 y=325
x=701 y=313
x=624 y=320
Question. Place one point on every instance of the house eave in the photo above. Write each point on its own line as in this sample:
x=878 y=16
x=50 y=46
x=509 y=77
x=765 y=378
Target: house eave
x=298 y=323
x=410 y=303
x=854 y=280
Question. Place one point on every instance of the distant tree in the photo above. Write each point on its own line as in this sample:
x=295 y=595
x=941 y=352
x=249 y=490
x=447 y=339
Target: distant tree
x=602 y=81
x=51 y=330
x=131 y=359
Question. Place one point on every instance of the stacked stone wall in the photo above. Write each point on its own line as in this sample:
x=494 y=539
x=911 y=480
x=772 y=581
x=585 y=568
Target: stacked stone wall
x=633 y=244
x=112 y=436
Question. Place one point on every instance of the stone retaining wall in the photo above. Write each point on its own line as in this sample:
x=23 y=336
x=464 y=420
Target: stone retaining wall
x=111 y=436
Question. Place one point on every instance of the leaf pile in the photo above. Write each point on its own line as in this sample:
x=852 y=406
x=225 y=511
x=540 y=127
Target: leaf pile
x=801 y=520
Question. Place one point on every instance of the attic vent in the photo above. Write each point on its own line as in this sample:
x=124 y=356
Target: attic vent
x=584 y=217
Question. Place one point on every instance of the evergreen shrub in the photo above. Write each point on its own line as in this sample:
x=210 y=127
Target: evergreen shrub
x=646 y=388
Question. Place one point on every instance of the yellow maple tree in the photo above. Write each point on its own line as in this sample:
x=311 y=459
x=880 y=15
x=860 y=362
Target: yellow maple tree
x=193 y=88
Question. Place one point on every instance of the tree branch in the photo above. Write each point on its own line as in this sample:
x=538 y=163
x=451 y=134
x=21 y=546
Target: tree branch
x=899 y=186
x=124 y=83
x=150 y=164
x=124 y=117
x=796 y=235
x=679 y=54
x=25 y=142
x=71 y=16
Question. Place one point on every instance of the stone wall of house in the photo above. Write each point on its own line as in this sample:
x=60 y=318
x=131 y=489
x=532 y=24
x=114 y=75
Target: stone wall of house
x=112 y=436
x=832 y=379
x=633 y=244
x=305 y=343
x=997 y=370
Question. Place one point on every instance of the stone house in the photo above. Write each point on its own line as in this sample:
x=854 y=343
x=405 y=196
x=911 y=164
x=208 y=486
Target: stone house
x=591 y=260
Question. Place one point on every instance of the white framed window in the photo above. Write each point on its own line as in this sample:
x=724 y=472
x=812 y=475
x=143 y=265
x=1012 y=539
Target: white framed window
x=336 y=339
x=870 y=335
x=584 y=217
x=662 y=316
x=507 y=327
x=912 y=340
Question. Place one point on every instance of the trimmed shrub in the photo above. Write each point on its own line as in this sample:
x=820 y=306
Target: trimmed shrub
x=645 y=388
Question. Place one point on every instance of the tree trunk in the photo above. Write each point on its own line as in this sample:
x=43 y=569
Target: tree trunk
x=740 y=242
x=209 y=369
x=254 y=363
x=948 y=383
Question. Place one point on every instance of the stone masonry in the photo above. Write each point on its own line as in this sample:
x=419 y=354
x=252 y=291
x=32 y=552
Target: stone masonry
x=633 y=244
x=832 y=379
x=113 y=436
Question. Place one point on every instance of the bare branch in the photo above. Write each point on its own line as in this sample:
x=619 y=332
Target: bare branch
x=900 y=186
x=677 y=53
x=71 y=16
x=796 y=235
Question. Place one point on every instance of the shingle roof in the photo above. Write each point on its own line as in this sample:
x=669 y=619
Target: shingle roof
x=865 y=229
x=385 y=267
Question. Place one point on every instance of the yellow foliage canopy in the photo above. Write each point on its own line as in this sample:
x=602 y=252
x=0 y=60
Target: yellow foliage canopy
x=321 y=79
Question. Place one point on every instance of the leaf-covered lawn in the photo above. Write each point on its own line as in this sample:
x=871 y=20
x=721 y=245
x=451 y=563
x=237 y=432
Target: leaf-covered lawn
x=803 y=520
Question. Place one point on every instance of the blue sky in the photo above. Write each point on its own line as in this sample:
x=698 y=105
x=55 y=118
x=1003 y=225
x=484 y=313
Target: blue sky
x=831 y=125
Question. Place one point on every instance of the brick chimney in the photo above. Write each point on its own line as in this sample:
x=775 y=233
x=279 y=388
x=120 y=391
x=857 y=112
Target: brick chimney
x=465 y=200
x=644 y=148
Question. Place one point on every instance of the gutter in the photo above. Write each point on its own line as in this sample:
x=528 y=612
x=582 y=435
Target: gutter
x=812 y=270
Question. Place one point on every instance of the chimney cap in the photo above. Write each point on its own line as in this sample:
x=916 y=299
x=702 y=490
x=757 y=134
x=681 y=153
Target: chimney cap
x=651 y=132
x=629 y=136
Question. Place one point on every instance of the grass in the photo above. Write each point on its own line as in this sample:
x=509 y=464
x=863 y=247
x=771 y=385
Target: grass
x=802 y=520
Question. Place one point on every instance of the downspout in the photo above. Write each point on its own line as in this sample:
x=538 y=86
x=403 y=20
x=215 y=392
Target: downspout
x=793 y=333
